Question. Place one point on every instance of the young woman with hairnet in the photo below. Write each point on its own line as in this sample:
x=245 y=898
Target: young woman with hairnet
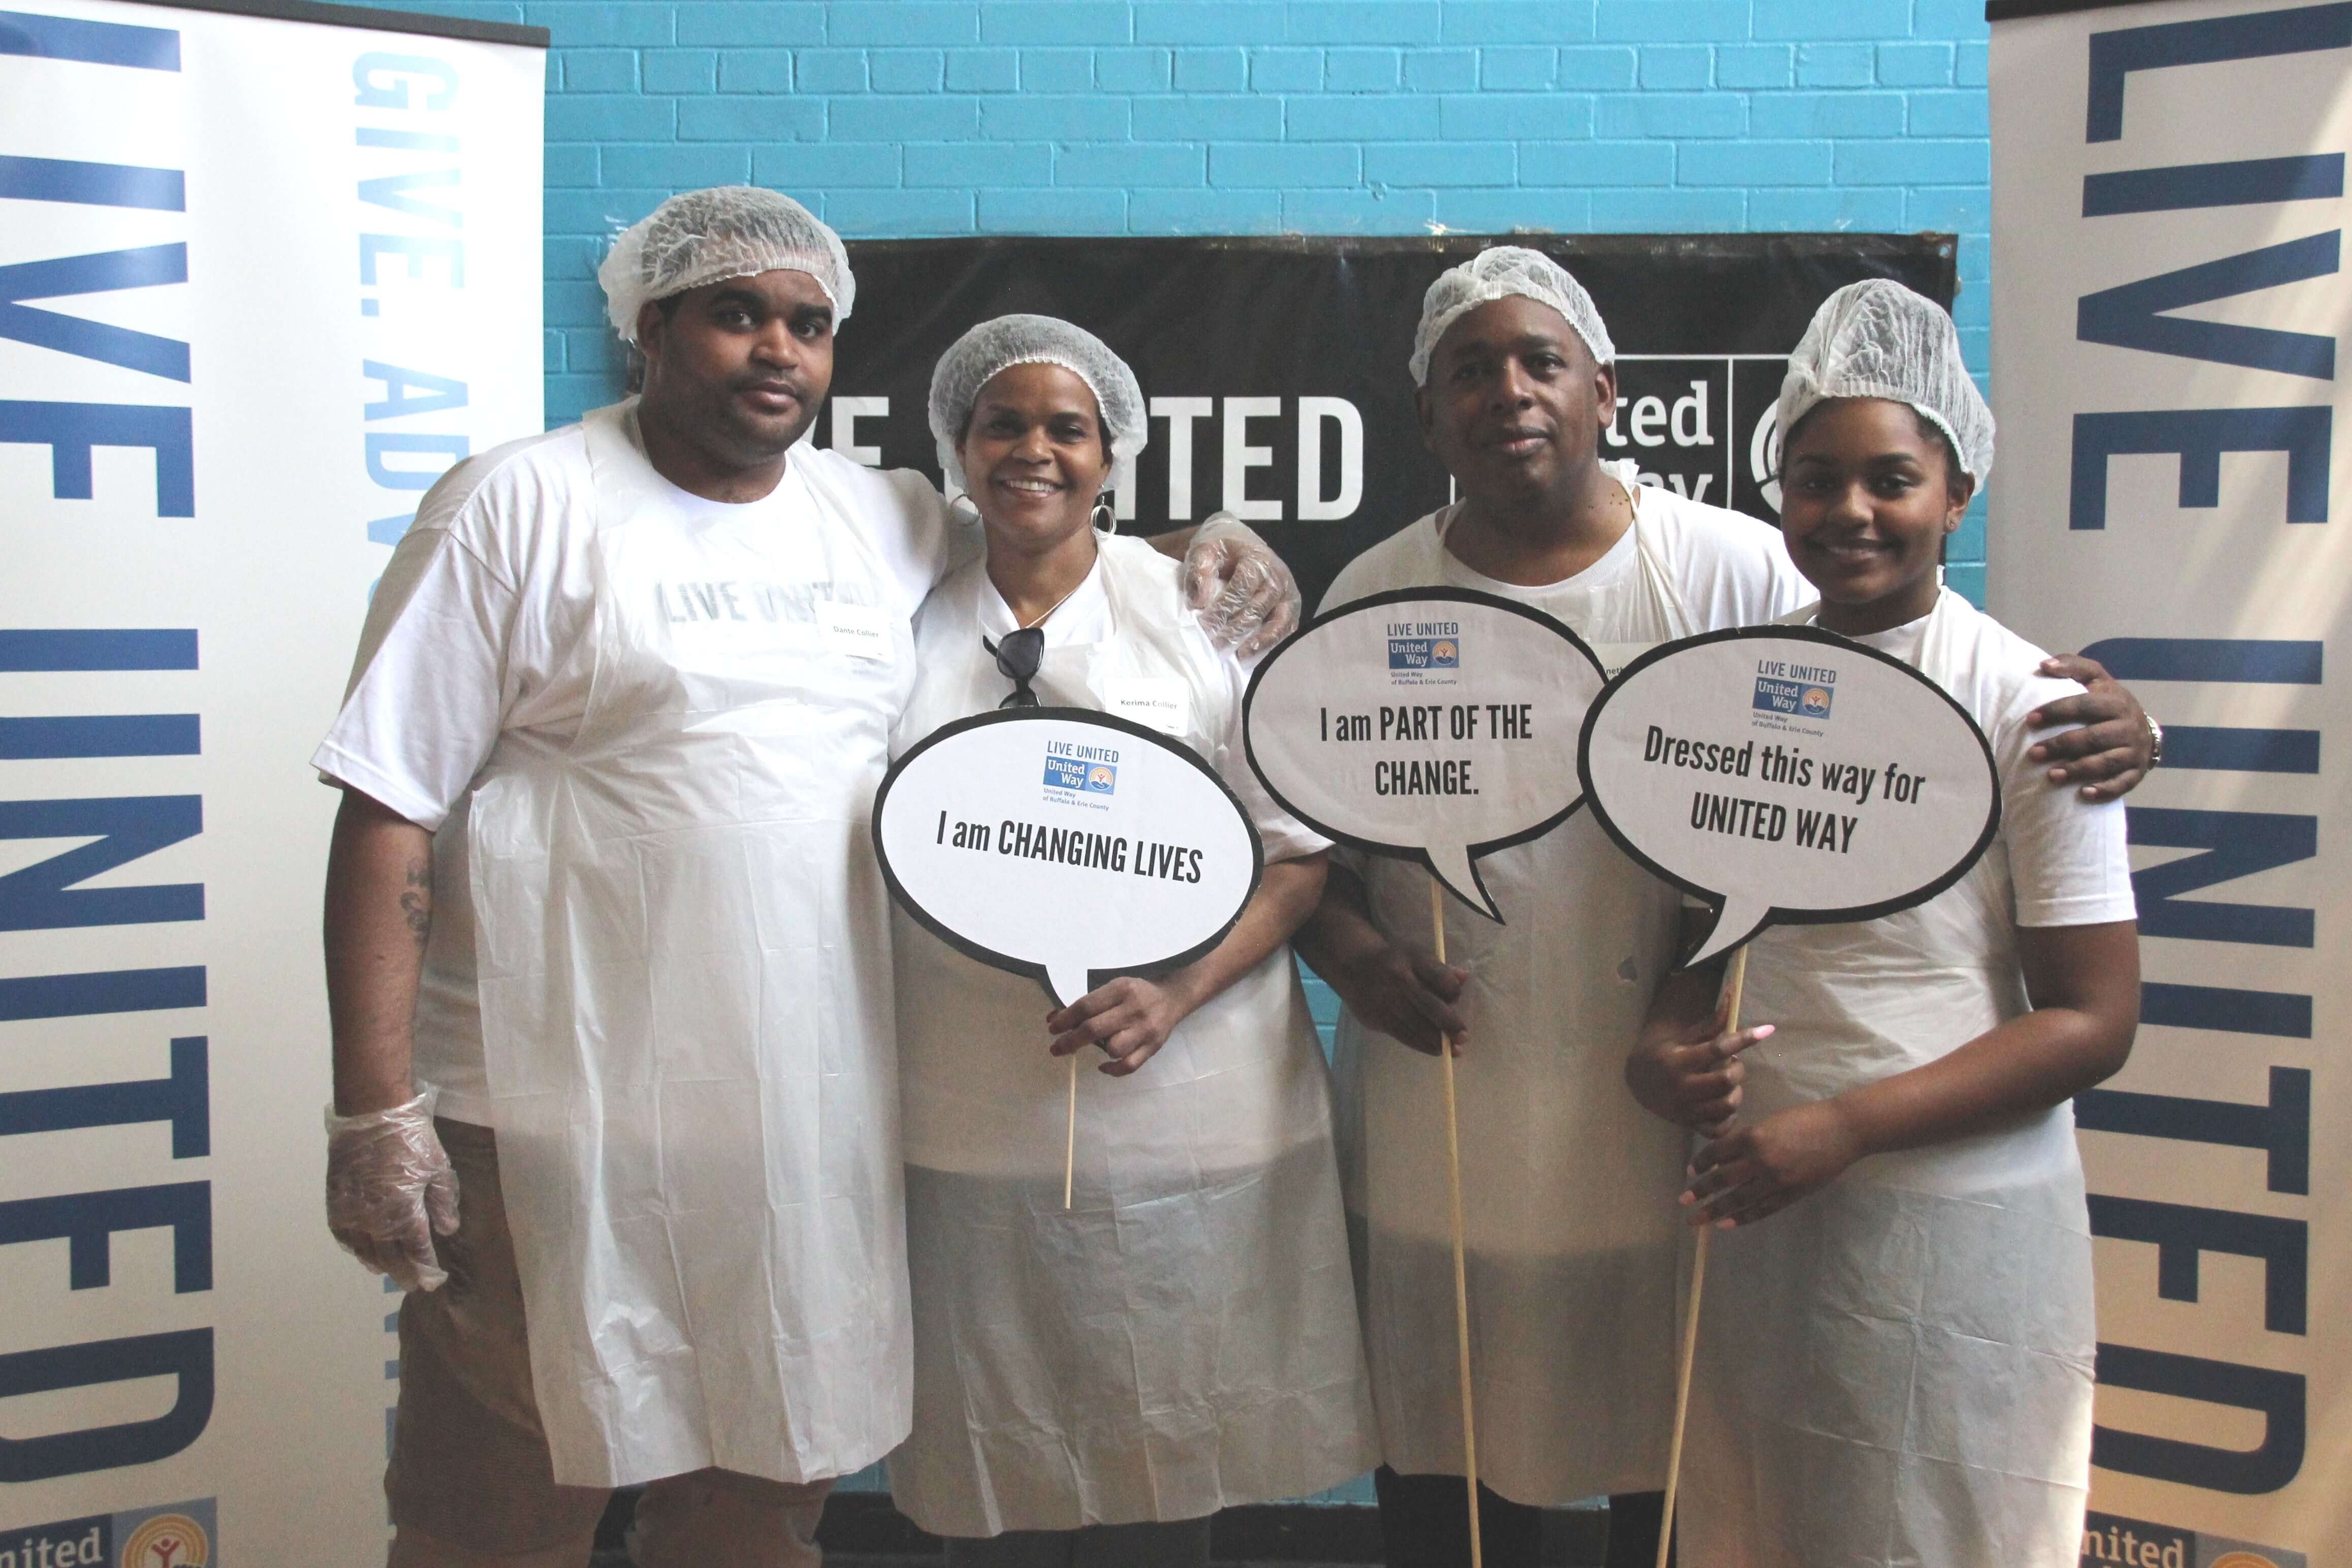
x=1895 y=1363
x=1091 y=1383
x=621 y=703
x=1567 y=1187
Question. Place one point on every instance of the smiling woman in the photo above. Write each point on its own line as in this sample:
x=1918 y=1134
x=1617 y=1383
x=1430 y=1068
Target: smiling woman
x=1203 y=1220
x=1036 y=459
x=1870 y=490
x=1908 y=1124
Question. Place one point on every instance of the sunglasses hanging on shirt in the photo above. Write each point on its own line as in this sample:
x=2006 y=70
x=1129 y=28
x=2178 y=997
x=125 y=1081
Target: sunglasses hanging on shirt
x=1017 y=658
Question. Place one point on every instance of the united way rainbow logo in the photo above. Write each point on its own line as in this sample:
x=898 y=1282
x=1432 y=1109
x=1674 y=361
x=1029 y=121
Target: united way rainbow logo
x=167 y=1541
x=1424 y=654
x=1814 y=703
x=163 y=1535
x=1082 y=776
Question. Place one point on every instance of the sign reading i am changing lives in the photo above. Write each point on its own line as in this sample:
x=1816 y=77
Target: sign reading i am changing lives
x=1789 y=776
x=1066 y=845
x=1437 y=725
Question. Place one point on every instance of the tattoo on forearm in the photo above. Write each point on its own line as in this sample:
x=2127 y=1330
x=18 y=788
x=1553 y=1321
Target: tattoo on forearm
x=417 y=902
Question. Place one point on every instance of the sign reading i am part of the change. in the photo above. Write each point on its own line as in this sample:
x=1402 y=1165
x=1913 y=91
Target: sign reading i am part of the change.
x=1066 y=845
x=1789 y=776
x=1437 y=725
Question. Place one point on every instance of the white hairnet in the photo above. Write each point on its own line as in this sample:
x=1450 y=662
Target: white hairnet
x=993 y=345
x=1878 y=338
x=1493 y=274
x=709 y=237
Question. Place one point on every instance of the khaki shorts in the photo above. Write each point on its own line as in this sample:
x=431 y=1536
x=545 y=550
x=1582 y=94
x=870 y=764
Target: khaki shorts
x=469 y=1460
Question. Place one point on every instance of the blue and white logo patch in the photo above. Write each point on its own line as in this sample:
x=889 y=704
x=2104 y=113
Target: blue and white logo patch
x=1424 y=654
x=1085 y=778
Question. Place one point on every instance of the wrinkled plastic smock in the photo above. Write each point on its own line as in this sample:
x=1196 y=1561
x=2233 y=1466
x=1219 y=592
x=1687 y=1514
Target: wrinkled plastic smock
x=1183 y=1338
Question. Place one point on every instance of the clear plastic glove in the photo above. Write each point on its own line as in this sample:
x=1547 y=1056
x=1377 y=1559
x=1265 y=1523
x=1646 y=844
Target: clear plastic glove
x=1246 y=597
x=390 y=1190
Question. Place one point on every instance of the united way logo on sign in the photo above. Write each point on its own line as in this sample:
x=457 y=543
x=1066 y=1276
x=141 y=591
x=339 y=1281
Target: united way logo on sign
x=1424 y=654
x=1081 y=776
x=1791 y=698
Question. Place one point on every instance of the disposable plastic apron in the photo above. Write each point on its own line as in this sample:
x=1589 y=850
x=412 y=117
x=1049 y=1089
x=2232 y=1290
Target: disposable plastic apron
x=1183 y=1338
x=1898 y=1370
x=1567 y=1186
x=686 y=1003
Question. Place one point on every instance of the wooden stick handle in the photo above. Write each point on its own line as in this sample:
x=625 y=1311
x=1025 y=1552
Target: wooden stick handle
x=1461 y=1284
x=1734 y=983
x=1070 y=1147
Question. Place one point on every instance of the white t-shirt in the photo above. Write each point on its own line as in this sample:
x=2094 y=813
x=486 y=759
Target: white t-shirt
x=1859 y=1002
x=1726 y=567
x=2068 y=861
x=1085 y=618
x=480 y=626
x=1720 y=569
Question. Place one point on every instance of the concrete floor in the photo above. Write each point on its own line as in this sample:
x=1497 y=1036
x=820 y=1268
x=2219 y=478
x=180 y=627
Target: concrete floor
x=862 y=1530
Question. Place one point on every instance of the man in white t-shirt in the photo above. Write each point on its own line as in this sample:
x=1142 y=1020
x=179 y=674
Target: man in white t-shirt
x=1569 y=1187
x=600 y=887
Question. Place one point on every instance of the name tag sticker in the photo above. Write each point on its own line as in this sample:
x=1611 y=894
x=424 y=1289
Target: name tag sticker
x=858 y=629
x=1615 y=656
x=1163 y=703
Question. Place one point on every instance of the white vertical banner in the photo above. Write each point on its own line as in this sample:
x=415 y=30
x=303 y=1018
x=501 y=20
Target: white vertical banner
x=2169 y=308
x=265 y=271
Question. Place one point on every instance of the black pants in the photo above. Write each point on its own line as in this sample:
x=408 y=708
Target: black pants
x=1426 y=1523
x=1176 y=1543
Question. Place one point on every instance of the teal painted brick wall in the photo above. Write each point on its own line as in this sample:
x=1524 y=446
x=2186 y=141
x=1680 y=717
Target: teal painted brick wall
x=1169 y=117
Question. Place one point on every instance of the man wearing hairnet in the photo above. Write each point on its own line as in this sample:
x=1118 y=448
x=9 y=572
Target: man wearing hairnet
x=1568 y=1187
x=608 y=957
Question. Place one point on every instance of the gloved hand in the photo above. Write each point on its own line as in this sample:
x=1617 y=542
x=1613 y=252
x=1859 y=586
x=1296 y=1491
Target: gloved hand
x=390 y=1190
x=1247 y=598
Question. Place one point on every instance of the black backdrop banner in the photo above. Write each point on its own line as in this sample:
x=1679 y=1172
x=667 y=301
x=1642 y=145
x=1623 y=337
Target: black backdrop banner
x=1252 y=351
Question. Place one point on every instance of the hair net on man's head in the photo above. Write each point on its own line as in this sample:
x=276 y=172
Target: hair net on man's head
x=1878 y=338
x=1496 y=274
x=974 y=359
x=709 y=237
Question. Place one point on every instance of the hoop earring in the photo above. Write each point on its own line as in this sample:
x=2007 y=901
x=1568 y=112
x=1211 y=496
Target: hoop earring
x=1105 y=521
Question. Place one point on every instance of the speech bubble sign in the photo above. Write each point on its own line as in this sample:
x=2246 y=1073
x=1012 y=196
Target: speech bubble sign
x=1429 y=724
x=1066 y=845
x=1789 y=776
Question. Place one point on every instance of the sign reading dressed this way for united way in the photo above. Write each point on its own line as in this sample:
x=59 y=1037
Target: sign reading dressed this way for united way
x=1066 y=845
x=1789 y=776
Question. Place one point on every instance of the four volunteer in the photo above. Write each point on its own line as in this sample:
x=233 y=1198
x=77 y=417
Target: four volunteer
x=600 y=890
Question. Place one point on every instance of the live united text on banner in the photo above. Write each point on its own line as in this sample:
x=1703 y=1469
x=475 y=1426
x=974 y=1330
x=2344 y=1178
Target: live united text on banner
x=260 y=282
x=2167 y=310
